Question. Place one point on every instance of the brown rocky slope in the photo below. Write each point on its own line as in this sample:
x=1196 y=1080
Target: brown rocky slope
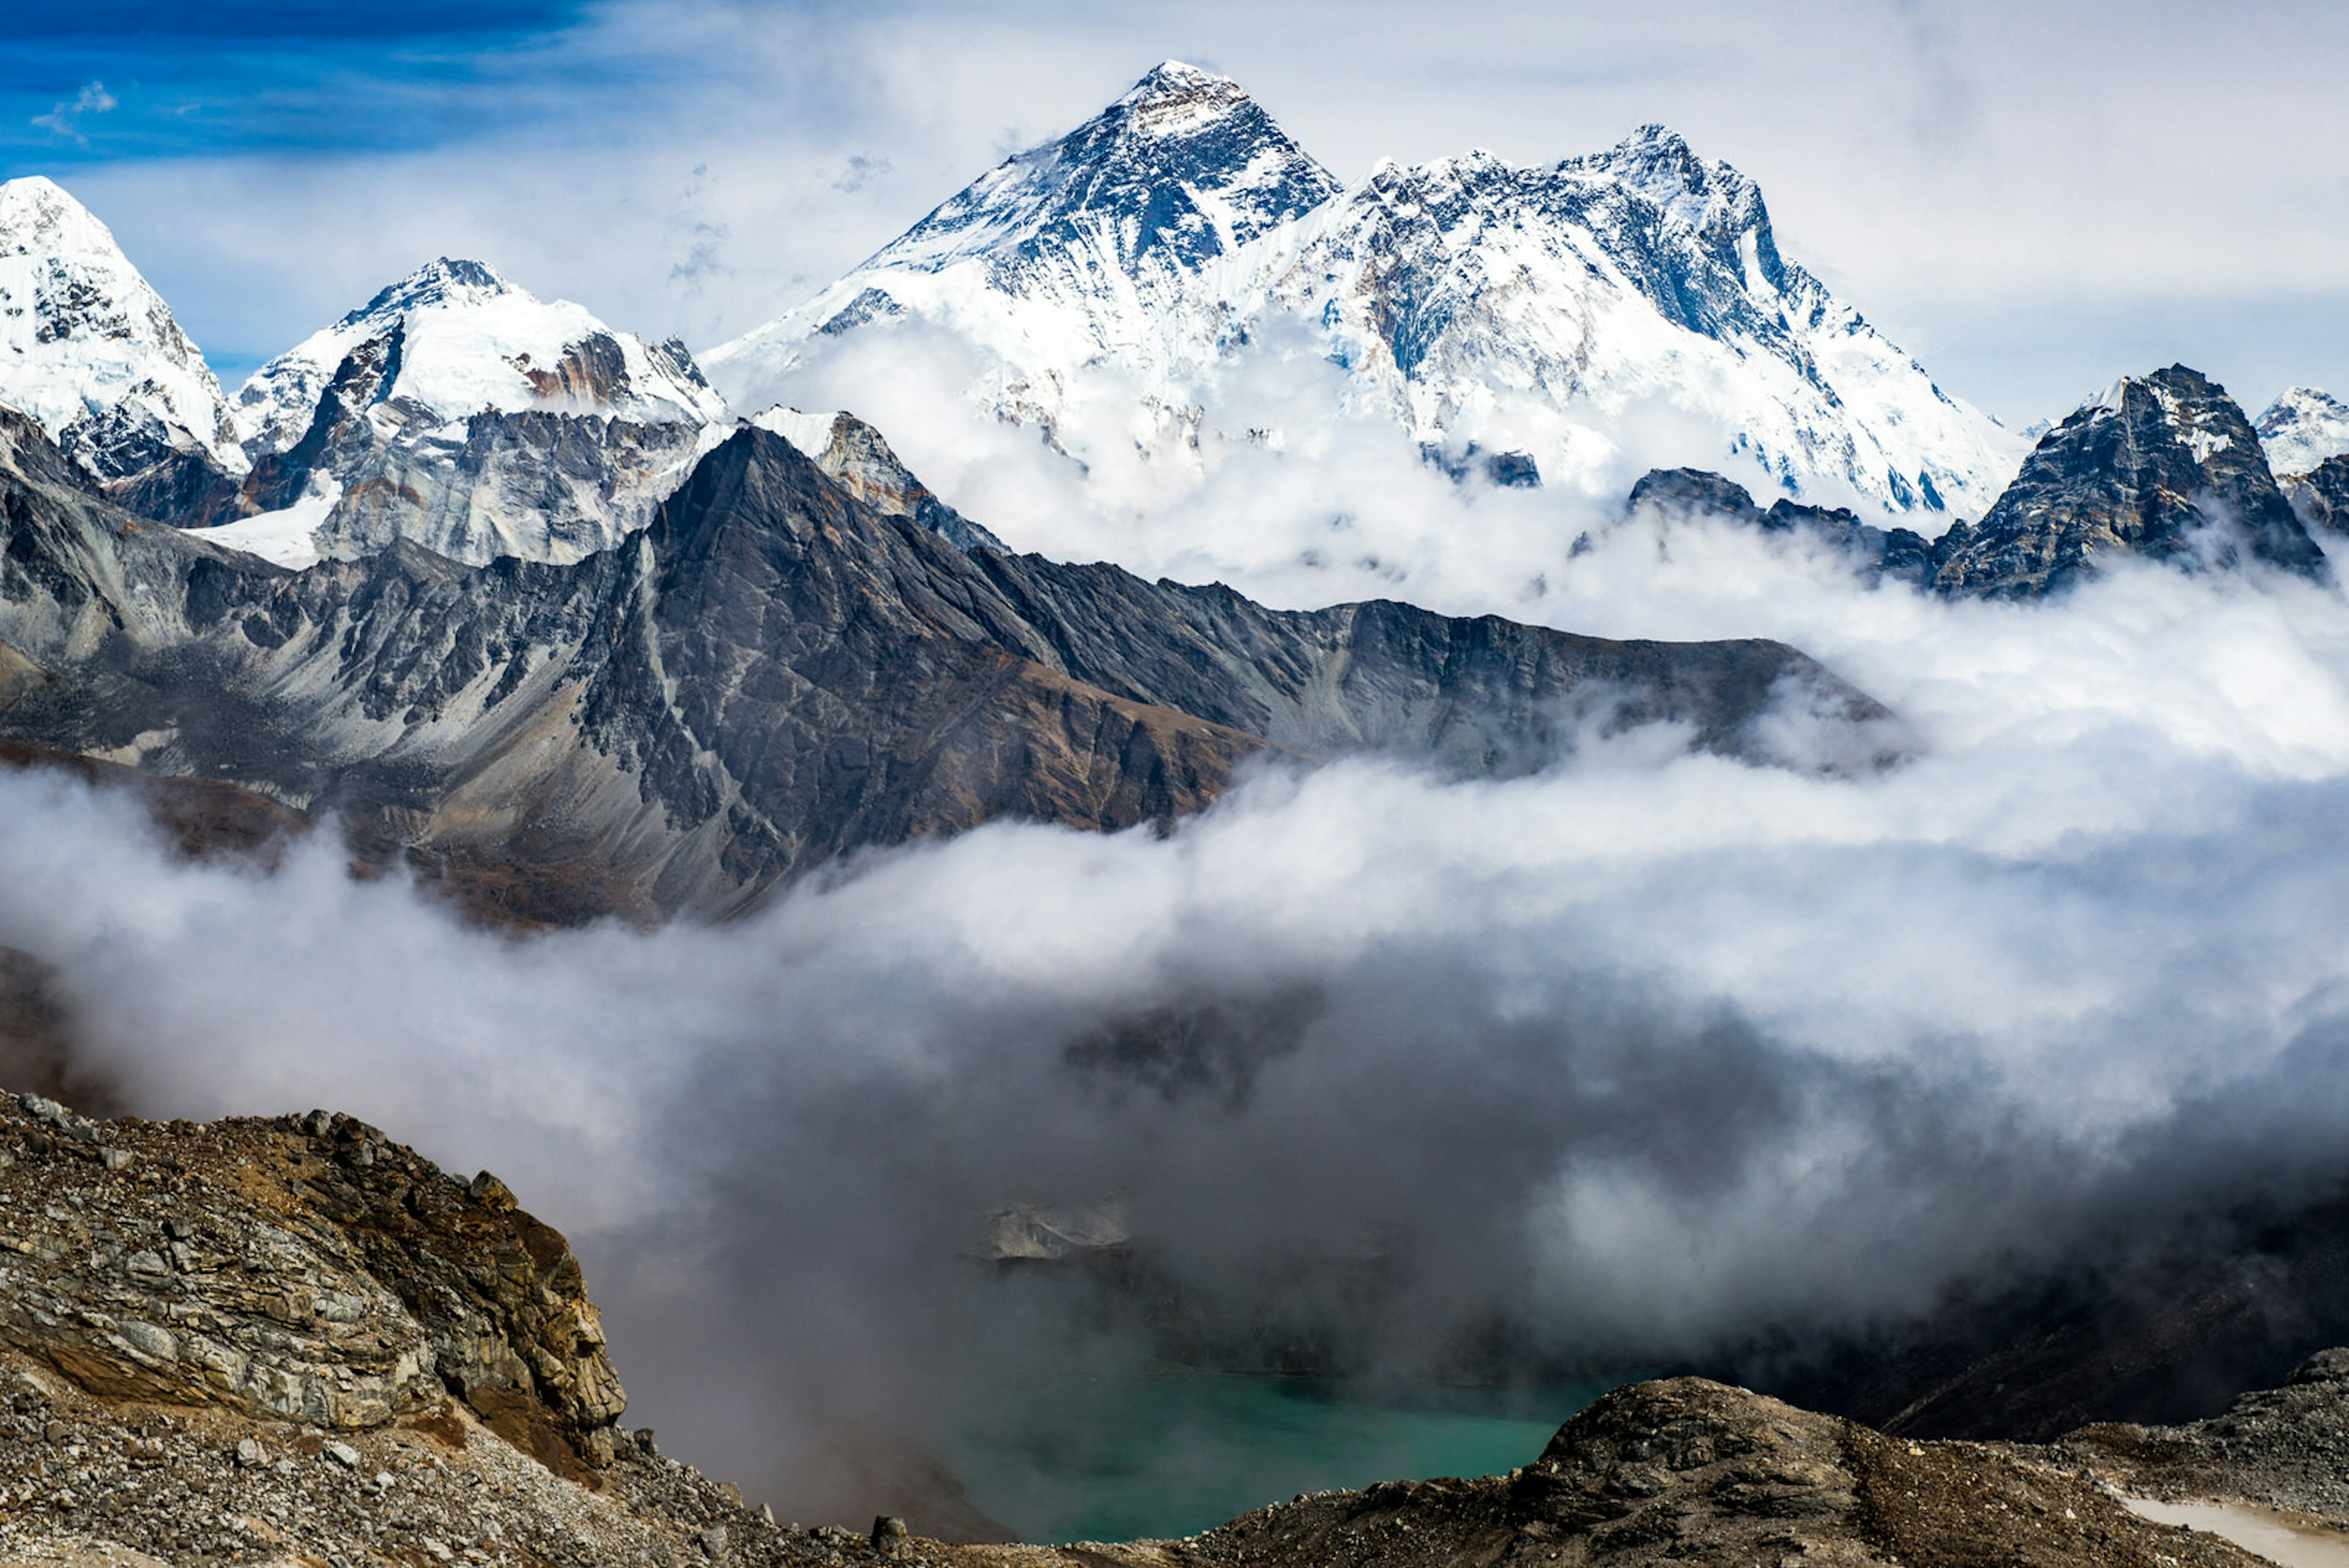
x=292 y=1340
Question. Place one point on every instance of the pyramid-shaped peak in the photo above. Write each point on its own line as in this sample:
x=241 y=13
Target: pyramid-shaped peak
x=37 y=213
x=1181 y=100
x=34 y=190
x=444 y=280
x=1657 y=140
x=1659 y=158
x=1178 y=80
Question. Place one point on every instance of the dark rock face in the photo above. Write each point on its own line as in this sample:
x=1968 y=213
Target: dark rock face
x=2321 y=498
x=1505 y=470
x=2278 y=1446
x=2165 y=466
x=2164 y=1322
x=855 y=454
x=1876 y=552
x=771 y=674
x=149 y=466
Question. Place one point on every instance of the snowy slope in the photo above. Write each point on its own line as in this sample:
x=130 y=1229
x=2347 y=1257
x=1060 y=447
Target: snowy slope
x=1572 y=311
x=1143 y=240
x=469 y=342
x=88 y=349
x=465 y=413
x=2302 y=428
x=1536 y=308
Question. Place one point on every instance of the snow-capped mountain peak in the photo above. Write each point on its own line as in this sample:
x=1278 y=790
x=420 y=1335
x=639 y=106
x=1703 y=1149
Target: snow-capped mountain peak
x=2302 y=428
x=439 y=282
x=1542 y=310
x=1183 y=168
x=89 y=350
x=463 y=341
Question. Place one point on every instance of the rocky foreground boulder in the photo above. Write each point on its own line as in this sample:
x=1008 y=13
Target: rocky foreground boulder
x=292 y=1341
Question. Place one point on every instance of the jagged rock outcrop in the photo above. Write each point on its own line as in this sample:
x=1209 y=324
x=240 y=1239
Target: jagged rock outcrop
x=2321 y=496
x=2277 y=1446
x=2163 y=465
x=1876 y=552
x=771 y=673
x=856 y=454
x=309 y=1271
x=1528 y=311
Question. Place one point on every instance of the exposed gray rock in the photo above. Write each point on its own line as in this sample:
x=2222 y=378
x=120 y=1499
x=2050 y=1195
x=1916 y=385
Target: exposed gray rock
x=855 y=454
x=771 y=673
x=2321 y=496
x=1876 y=552
x=2163 y=465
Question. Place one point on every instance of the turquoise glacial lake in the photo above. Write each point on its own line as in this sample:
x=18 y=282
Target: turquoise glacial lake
x=1118 y=1458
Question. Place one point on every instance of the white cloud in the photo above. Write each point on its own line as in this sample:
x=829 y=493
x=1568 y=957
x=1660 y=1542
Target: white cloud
x=1643 y=1054
x=67 y=118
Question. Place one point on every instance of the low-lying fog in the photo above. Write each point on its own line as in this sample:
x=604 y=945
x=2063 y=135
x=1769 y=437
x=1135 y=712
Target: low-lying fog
x=1630 y=1061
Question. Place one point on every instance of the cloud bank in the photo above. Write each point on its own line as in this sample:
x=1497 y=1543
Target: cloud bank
x=1640 y=1058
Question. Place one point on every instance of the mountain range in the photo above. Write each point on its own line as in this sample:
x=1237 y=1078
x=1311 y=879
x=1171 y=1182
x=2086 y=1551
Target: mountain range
x=772 y=672
x=1548 y=310
x=520 y=598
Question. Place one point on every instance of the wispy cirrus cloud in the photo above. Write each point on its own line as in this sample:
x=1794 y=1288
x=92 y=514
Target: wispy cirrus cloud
x=67 y=118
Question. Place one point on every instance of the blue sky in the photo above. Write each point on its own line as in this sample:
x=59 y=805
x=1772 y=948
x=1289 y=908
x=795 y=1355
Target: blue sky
x=2033 y=198
x=99 y=80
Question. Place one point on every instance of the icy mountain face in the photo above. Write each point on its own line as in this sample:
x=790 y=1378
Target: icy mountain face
x=2304 y=428
x=1542 y=311
x=462 y=412
x=90 y=350
x=471 y=341
x=1534 y=308
x=1142 y=241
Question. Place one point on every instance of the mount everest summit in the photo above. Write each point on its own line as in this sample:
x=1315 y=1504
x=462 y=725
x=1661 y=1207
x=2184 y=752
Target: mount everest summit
x=1551 y=311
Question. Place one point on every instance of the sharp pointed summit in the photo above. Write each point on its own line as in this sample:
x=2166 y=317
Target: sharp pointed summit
x=89 y=350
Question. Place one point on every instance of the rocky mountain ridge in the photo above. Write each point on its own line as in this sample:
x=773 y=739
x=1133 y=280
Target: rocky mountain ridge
x=774 y=671
x=1522 y=309
x=2163 y=466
